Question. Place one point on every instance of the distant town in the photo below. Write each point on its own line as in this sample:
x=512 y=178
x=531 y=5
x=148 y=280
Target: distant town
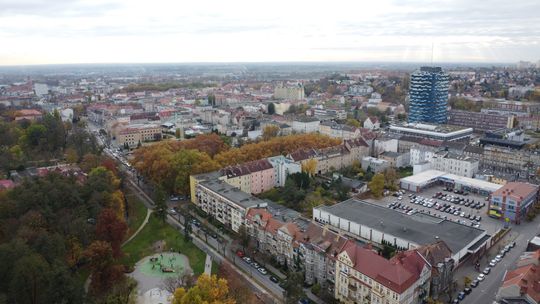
x=274 y=183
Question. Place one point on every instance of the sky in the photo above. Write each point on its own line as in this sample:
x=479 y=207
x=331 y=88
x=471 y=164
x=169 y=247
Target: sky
x=158 y=31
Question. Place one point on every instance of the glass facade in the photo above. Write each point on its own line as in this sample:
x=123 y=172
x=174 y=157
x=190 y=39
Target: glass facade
x=428 y=95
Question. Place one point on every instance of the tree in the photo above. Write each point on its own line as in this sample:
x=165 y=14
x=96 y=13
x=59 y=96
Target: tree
x=467 y=281
x=30 y=279
x=293 y=287
x=270 y=131
x=105 y=273
x=391 y=178
x=310 y=166
x=271 y=108
x=112 y=229
x=207 y=290
x=178 y=133
x=187 y=228
x=71 y=156
x=353 y=122
x=244 y=237
x=376 y=185
x=161 y=205
x=238 y=286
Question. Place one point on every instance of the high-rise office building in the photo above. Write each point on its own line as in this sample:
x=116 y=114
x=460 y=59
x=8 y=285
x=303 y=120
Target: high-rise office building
x=428 y=95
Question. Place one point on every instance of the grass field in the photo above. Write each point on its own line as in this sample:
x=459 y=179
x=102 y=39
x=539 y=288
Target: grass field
x=154 y=231
x=136 y=210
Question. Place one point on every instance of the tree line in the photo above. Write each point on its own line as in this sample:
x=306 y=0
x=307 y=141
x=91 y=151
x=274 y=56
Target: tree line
x=170 y=163
x=54 y=231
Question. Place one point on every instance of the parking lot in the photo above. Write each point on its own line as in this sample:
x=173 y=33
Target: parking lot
x=466 y=208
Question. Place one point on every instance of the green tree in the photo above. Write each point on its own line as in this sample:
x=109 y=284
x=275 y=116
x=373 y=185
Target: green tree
x=161 y=204
x=271 y=108
x=244 y=237
x=187 y=228
x=293 y=287
x=376 y=185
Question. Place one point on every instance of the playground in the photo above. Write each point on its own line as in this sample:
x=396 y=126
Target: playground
x=152 y=270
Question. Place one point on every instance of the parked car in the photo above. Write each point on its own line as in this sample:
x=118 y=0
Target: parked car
x=467 y=290
x=492 y=263
x=247 y=259
x=475 y=283
x=486 y=270
x=274 y=279
x=481 y=277
x=240 y=253
x=461 y=295
x=172 y=211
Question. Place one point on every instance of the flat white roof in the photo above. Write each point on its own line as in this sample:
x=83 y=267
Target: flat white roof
x=424 y=178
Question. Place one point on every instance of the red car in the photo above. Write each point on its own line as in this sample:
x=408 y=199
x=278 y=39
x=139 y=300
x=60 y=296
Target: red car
x=240 y=253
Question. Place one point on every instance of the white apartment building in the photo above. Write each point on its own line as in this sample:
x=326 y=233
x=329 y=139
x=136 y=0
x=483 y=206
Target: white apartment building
x=283 y=167
x=304 y=124
x=455 y=164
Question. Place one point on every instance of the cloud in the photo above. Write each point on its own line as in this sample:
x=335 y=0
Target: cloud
x=279 y=30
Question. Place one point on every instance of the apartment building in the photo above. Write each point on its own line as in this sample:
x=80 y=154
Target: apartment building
x=305 y=124
x=454 y=164
x=282 y=168
x=319 y=249
x=374 y=164
x=514 y=200
x=364 y=276
x=272 y=236
x=395 y=159
x=226 y=203
x=480 y=122
x=134 y=134
x=372 y=123
x=333 y=129
x=252 y=177
x=294 y=92
x=521 y=285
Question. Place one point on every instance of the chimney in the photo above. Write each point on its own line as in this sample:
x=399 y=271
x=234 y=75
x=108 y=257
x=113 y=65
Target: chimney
x=325 y=228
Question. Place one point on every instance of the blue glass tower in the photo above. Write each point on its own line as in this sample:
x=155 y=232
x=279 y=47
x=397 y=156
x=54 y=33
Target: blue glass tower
x=428 y=95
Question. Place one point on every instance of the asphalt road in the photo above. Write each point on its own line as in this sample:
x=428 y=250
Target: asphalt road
x=486 y=291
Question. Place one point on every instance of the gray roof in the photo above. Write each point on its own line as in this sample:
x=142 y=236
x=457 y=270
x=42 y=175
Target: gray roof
x=418 y=228
x=233 y=194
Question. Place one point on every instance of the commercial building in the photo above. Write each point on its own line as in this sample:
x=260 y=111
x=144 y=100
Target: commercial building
x=134 y=134
x=428 y=95
x=227 y=204
x=433 y=132
x=513 y=201
x=377 y=224
x=428 y=178
x=363 y=276
x=480 y=122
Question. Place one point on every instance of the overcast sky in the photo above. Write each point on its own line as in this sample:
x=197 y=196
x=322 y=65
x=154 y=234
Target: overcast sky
x=119 y=31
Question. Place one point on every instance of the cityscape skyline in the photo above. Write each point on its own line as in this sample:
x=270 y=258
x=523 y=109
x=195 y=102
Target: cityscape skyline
x=113 y=31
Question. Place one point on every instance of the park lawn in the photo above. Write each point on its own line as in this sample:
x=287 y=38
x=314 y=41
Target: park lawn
x=154 y=231
x=136 y=210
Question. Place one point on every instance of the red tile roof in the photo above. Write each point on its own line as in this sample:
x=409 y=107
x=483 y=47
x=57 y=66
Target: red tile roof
x=397 y=274
x=526 y=278
x=516 y=190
